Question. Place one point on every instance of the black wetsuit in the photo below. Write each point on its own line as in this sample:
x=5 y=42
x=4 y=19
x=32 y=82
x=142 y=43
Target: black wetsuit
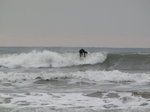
x=82 y=53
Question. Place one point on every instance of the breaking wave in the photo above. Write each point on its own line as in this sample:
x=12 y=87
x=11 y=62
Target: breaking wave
x=37 y=59
x=106 y=61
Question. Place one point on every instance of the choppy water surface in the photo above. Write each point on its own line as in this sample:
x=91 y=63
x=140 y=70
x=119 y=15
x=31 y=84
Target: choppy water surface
x=58 y=80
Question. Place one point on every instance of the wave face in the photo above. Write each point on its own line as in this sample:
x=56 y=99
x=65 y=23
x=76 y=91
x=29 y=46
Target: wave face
x=127 y=61
x=49 y=59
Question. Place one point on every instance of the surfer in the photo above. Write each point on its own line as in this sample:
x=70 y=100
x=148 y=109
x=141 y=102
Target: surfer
x=83 y=53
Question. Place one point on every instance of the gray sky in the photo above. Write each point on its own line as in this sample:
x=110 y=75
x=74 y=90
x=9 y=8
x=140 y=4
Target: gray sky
x=93 y=23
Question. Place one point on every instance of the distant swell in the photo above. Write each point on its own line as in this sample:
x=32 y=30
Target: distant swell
x=49 y=59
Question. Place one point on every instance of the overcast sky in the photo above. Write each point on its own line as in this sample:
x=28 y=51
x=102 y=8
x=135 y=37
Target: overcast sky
x=93 y=23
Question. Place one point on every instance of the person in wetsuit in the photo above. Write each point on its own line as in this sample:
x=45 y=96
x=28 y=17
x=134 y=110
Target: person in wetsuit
x=83 y=53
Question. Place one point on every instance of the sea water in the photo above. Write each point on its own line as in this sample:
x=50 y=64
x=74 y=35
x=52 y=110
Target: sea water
x=56 y=79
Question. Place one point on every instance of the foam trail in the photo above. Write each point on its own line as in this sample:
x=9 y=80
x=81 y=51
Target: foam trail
x=98 y=76
x=49 y=59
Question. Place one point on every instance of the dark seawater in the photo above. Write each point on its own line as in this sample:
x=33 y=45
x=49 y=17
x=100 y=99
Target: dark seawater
x=56 y=79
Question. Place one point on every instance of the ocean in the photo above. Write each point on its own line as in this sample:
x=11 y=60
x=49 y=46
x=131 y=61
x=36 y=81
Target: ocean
x=56 y=79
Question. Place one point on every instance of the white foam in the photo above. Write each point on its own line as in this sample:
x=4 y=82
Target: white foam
x=114 y=75
x=49 y=59
x=97 y=76
x=76 y=100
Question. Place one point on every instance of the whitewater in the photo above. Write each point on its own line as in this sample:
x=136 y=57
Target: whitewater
x=56 y=79
x=48 y=59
